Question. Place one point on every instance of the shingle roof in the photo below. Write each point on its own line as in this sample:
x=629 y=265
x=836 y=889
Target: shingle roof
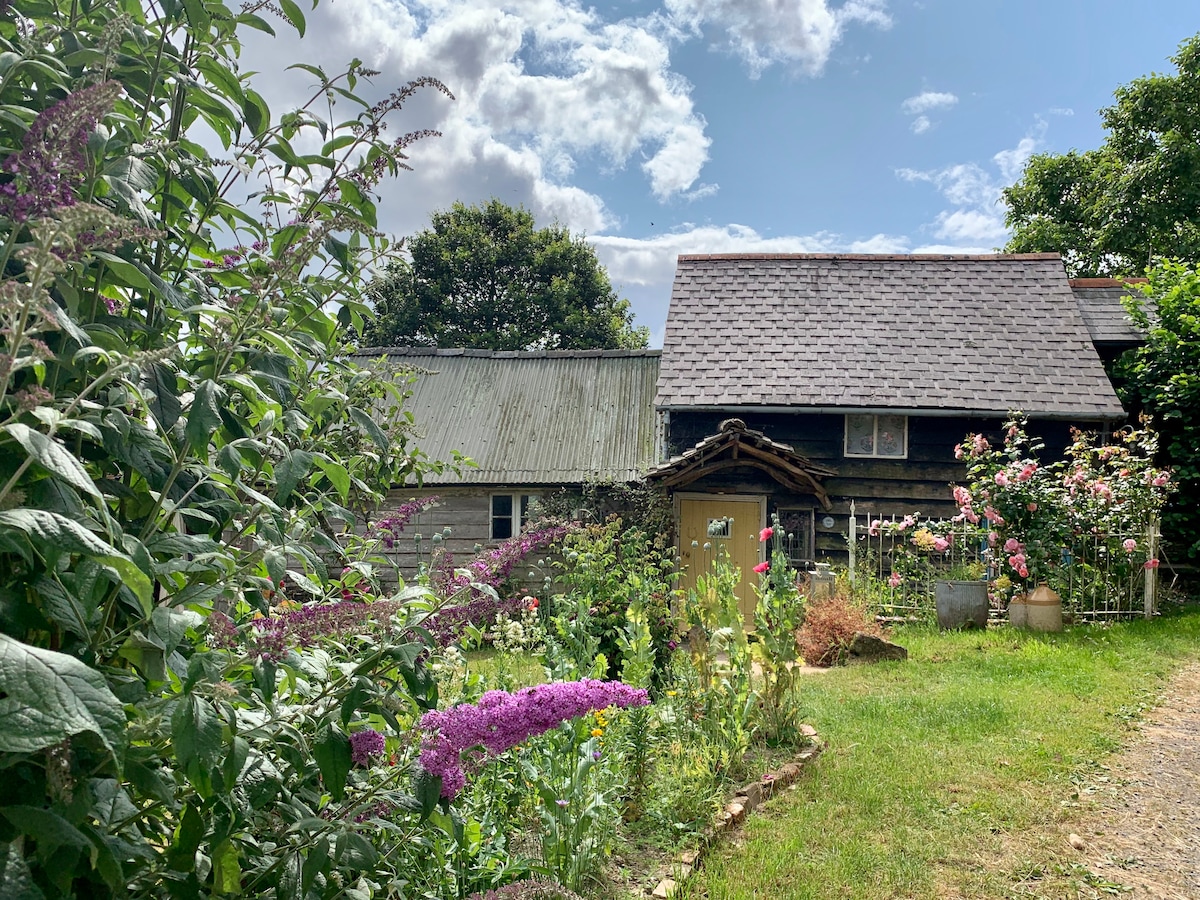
x=1100 y=303
x=977 y=334
x=549 y=417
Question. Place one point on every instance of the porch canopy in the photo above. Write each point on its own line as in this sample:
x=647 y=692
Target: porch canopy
x=736 y=446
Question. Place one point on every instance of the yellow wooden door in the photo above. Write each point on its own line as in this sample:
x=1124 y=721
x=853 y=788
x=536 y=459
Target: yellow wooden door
x=737 y=521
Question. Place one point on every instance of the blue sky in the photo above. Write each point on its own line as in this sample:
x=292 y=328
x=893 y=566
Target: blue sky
x=703 y=126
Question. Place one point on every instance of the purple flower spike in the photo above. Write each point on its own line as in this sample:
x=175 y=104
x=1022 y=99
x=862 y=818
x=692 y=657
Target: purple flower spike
x=501 y=720
x=53 y=156
x=365 y=745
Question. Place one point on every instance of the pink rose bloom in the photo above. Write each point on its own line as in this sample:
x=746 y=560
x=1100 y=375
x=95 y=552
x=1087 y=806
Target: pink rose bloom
x=1023 y=572
x=1012 y=432
x=971 y=517
x=941 y=545
x=766 y=533
x=980 y=443
x=962 y=496
x=895 y=580
x=908 y=522
x=1032 y=507
x=958 y=451
x=1012 y=545
x=992 y=538
x=762 y=567
x=992 y=516
x=1161 y=480
x=1129 y=544
x=873 y=528
x=1002 y=479
x=1150 y=564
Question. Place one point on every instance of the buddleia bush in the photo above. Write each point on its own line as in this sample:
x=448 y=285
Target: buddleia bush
x=183 y=444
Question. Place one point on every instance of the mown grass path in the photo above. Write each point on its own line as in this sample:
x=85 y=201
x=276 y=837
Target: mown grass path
x=957 y=773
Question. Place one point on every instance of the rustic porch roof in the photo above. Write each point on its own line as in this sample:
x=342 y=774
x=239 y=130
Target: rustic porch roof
x=733 y=446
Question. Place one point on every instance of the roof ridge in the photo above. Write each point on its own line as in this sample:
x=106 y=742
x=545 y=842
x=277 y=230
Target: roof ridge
x=1085 y=283
x=871 y=257
x=505 y=354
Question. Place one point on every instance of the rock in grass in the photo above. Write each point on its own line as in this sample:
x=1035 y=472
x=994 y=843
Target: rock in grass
x=867 y=648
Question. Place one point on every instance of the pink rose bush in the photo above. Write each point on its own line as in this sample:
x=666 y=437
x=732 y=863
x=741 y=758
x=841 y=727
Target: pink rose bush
x=1036 y=513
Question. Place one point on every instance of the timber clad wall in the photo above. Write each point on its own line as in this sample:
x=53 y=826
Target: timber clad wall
x=879 y=487
x=466 y=511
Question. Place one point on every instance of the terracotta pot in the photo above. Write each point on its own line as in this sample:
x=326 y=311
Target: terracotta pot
x=1018 y=611
x=1045 y=609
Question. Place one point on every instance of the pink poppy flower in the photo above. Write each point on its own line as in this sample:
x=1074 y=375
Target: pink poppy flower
x=762 y=567
x=766 y=533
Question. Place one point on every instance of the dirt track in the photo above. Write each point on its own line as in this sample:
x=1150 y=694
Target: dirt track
x=1144 y=831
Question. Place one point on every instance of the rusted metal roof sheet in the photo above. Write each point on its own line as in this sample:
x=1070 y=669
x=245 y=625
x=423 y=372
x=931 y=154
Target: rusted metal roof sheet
x=538 y=418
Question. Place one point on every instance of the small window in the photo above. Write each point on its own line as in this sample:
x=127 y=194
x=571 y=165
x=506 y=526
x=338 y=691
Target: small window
x=720 y=528
x=879 y=437
x=510 y=512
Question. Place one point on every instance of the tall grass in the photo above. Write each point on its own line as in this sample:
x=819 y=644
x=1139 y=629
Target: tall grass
x=953 y=774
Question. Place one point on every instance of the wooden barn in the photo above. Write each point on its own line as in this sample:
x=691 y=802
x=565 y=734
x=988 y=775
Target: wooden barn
x=787 y=384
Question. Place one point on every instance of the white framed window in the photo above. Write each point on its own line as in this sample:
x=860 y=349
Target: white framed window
x=510 y=512
x=877 y=437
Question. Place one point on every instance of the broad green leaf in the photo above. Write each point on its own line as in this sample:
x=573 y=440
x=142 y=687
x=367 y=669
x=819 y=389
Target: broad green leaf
x=45 y=826
x=132 y=577
x=205 y=415
x=196 y=731
x=227 y=873
x=159 y=381
x=370 y=426
x=46 y=697
x=181 y=855
x=293 y=14
x=337 y=475
x=290 y=471
x=49 y=528
x=53 y=457
x=427 y=788
x=331 y=750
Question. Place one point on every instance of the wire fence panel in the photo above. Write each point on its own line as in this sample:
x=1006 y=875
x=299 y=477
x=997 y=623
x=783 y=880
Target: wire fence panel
x=897 y=561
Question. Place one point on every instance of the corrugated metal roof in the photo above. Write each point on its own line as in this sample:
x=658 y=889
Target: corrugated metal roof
x=974 y=334
x=549 y=417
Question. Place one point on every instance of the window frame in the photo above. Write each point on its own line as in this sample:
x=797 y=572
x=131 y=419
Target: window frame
x=875 y=417
x=518 y=517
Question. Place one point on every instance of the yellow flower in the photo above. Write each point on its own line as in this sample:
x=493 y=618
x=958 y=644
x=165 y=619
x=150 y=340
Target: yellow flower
x=596 y=732
x=672 y=693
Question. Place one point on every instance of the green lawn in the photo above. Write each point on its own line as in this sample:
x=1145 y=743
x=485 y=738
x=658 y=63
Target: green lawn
x=953 y=774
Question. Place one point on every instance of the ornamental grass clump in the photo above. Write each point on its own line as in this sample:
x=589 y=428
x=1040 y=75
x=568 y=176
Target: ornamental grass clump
x=502 y=720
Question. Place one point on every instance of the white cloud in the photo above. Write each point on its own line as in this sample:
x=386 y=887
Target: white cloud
x=542 y=86
x=926 y=101
x=976 y=220
x=799 y=33
x=1061 y=111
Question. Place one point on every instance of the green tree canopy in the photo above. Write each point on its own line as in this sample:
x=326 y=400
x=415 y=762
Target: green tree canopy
x=1162 y=379
x=1111 y=211
x=484 y=277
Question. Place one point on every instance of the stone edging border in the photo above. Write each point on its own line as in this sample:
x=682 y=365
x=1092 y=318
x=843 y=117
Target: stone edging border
x=745 y=800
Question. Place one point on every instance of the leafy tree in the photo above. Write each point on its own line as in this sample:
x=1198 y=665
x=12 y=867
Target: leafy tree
x=1111 y=211
x=484 y=277
x=1162 y=378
